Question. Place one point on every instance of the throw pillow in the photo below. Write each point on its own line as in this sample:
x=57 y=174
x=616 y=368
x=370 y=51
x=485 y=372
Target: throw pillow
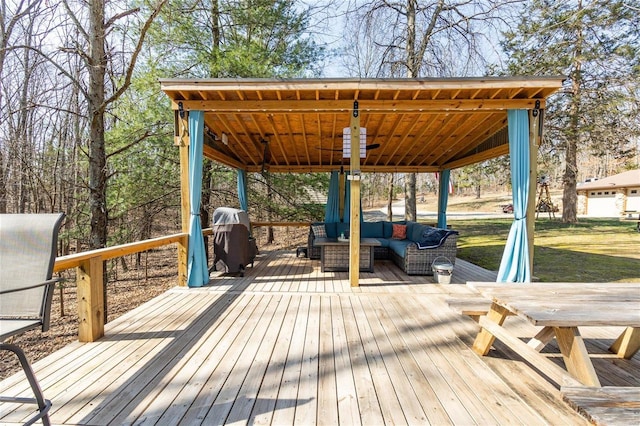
x=399 y=232
x=319 y=231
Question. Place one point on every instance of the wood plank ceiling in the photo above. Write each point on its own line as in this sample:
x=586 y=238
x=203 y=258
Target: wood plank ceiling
x=419 y=125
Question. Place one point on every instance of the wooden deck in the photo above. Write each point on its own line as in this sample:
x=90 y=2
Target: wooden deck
x=287 y=344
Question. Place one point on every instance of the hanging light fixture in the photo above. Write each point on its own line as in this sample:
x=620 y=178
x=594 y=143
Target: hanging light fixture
x=346 y=142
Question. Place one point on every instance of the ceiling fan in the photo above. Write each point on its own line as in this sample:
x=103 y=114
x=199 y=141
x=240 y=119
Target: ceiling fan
x=368 y=147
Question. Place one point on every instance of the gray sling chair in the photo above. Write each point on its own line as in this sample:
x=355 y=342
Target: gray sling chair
x=27 y=254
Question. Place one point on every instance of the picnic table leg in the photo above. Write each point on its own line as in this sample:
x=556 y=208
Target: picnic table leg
x=627 y=343
x=484 y=340
x=576 y=357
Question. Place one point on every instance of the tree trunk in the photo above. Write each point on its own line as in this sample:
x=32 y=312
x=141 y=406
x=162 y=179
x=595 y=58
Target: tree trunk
x=97 y=154
x=270 y=236
x=410 y=210
x=569 y=195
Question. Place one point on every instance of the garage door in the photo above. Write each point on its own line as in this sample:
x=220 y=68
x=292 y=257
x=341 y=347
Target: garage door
x=602 y=204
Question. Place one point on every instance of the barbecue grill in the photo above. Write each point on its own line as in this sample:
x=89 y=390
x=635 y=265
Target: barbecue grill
x=233 y=246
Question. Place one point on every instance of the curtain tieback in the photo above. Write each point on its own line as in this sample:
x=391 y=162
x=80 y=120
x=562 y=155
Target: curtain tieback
x=520 y=218
x=195 y=214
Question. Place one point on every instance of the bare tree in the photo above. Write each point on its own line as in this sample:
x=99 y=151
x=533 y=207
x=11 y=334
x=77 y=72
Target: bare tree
x=10 y=20
x=109 y=73
x=411 y=39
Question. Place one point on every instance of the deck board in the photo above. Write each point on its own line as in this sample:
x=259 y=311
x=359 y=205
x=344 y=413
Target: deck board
x=287 y=344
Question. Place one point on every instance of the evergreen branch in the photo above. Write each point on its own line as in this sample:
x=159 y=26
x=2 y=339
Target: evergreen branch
x=147 y=133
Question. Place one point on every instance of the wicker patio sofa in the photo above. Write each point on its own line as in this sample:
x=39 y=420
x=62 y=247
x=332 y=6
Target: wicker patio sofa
x=403 y=252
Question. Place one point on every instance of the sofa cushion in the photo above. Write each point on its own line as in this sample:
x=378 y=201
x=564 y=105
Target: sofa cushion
x=399 y=246
x=371 y=230
x=319 y=230
x=416 y=232
x=399 y=232
x=384 y=242
x=387 y=228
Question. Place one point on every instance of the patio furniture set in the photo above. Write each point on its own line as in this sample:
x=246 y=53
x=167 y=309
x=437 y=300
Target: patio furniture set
x=412 y=246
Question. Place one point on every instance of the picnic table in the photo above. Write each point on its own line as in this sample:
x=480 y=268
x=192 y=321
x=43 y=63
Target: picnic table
x=633 y=216
x=561 y=309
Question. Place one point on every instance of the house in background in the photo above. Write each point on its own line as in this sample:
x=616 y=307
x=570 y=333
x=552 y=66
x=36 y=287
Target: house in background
x=611 y=196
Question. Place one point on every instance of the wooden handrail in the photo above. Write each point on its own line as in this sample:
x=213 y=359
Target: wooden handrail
x=89 y=271
x=74 y=260
x=298 y=224
x=90 y=285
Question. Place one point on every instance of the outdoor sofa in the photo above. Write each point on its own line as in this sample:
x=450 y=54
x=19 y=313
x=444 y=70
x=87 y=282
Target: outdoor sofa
x=405 y=252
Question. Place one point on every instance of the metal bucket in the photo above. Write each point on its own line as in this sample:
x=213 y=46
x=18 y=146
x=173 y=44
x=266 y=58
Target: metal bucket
x=442 y=269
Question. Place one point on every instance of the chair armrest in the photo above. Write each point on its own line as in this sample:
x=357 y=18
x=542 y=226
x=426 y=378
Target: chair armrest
x=42 y=284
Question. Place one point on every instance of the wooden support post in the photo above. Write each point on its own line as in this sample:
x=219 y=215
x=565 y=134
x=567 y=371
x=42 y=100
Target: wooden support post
x=354 y=208
x=534 y=143
x=183 y=244
x=90 y=299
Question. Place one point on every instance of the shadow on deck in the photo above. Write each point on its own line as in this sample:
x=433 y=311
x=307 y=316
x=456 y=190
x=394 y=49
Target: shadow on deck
x=287 y=344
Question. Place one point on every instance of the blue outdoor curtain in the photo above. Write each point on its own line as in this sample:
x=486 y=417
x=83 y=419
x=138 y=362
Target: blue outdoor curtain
x=197 y=272
x=242 y=190
x=443 y=197
x=332 y=209
x=514 y=266
x=347 y=199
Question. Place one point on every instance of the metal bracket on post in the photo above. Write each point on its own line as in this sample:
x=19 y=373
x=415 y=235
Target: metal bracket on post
x=536 y=109
x=355 y=108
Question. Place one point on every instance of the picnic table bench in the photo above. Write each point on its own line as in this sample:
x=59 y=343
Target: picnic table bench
x=631 y=215
x=472 y=306
x=610 y=405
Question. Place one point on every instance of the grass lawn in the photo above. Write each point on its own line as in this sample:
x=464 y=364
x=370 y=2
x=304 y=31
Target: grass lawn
x=593 y=250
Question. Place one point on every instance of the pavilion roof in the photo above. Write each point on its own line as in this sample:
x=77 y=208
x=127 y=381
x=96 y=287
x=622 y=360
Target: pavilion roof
x=420 y=125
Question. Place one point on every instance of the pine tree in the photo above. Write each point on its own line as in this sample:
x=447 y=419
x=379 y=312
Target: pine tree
x=596 y=45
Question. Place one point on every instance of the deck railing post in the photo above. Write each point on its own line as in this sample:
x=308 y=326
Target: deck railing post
x=183 y=256
x=354 y=208
x=185 y=207
x=90 y=299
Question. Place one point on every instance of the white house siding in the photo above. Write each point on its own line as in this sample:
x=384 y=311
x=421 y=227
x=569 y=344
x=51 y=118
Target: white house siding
x=633 y=199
